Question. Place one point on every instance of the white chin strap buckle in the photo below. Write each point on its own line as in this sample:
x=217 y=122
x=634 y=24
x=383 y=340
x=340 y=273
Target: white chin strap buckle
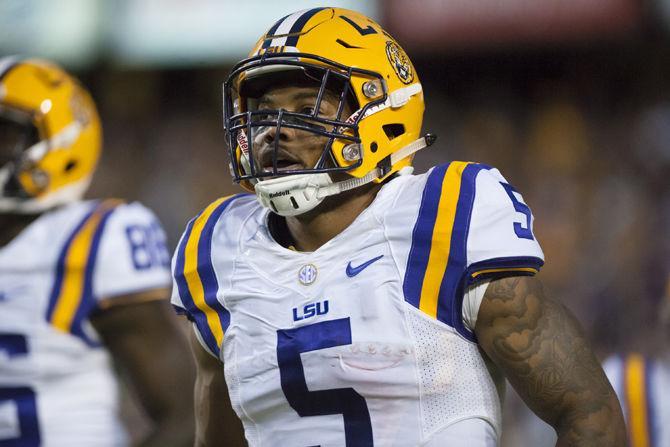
x=293 y=194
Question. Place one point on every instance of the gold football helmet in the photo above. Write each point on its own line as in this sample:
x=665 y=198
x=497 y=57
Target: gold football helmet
x=50 y=136
x=345 y=53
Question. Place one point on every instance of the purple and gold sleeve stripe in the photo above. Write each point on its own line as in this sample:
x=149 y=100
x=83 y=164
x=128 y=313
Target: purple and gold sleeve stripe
x=196 y=279
x=493 y=272
x=71 y=300
x=638 y=401
x=494 y=268
x=437 y=256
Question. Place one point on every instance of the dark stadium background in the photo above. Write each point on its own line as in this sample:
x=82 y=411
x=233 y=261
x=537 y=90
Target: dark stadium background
x=570 y=99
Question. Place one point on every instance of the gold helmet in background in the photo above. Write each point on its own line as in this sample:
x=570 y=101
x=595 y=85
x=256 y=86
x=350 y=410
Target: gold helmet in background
x=50 y=136
x=350 y=55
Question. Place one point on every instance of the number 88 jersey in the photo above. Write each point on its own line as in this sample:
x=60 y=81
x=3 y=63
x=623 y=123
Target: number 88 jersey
x=57 y=386
x=361 y=342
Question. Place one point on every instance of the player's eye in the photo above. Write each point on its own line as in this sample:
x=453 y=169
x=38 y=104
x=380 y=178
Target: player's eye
x=307 y=110
x=261 y=116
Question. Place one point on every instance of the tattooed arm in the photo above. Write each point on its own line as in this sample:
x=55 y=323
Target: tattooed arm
x=540 y=347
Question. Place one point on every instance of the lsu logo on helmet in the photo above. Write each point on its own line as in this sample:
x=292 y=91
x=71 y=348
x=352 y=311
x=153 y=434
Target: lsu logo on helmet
x=400 y=62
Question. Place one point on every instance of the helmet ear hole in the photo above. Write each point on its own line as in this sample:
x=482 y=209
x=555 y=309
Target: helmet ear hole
x=393 y=130
x=70 y=165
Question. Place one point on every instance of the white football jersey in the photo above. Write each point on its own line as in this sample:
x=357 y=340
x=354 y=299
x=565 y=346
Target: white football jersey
x=57 y=388
x=643 y=386
x=360 y=342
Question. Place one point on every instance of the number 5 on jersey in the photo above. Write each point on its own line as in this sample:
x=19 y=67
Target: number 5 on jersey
x=344 y=401
x=20 y=399
x=524 y=232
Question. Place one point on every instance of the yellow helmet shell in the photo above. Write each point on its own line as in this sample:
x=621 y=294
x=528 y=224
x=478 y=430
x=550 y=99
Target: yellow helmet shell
x=69 y=129
x=351 y=39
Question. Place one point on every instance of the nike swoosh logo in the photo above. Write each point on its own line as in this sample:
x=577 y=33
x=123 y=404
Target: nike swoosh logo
x=353 y=271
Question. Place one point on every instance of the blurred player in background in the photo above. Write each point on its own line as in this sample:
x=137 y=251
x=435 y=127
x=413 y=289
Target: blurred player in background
x=82 y=283
x=642 y=382
x=351 y=302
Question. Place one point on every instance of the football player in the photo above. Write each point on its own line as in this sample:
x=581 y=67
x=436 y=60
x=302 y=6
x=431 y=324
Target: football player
x=349 y=302
x=82 y=282
x=642 y=382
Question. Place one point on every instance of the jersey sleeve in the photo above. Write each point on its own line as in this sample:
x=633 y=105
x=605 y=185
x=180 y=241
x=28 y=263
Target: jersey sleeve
x=195 y=290
x=132 y=256
x=470 y=225
x=112 y=251
x=500 y=239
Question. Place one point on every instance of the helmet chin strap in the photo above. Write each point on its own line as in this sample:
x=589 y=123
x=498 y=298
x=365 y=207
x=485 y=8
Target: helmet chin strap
x=292 y=195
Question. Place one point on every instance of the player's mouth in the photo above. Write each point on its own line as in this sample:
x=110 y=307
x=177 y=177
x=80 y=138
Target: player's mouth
x=285 y=162
x=283 y=165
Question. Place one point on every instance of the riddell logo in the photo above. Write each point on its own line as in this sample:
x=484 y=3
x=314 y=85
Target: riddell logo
x=279 y=194
x=242 y=142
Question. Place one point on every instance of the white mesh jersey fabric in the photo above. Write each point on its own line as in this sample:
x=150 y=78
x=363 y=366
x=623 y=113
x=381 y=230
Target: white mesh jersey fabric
x=454 y=380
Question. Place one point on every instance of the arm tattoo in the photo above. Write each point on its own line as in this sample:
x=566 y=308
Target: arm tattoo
x=540 y=347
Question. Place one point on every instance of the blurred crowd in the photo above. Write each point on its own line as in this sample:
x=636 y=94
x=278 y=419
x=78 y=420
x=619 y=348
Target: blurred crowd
x=583 y=133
